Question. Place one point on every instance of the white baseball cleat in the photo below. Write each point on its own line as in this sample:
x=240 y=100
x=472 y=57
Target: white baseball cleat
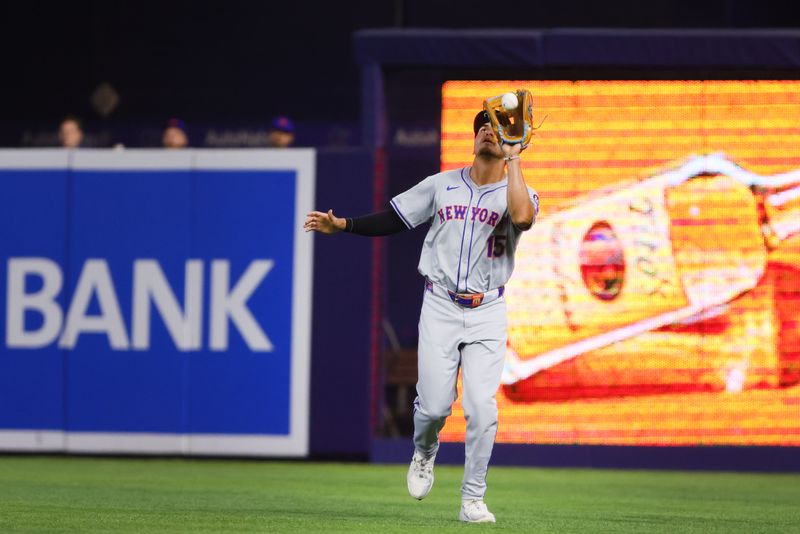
x=420 y=475
x=475 y=511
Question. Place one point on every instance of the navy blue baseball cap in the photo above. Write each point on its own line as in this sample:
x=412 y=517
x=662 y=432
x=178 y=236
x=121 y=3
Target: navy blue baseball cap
x=480 y=119
x=283 y=124
x=175 y=122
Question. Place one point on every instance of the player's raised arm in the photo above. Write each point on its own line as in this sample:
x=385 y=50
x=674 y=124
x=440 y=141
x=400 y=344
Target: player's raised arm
x=520 y=206
x=376 y=224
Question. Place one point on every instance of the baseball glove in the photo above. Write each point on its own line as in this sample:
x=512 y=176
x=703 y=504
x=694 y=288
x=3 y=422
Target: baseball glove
x=511 y=126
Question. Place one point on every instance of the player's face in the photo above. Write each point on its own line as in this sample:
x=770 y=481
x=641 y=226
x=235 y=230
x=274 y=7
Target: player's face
x=486 y=143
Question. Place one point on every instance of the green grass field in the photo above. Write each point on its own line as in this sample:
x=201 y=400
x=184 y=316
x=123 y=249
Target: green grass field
x=155 y=495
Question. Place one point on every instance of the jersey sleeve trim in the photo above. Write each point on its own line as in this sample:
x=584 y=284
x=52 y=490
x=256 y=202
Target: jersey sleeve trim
x=402 y=217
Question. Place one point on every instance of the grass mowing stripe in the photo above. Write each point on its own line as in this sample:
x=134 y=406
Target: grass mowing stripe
x=70 y=494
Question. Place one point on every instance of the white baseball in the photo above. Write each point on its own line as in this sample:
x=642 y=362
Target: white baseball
x=510 y=101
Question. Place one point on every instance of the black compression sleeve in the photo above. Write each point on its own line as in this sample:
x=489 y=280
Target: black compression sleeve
x=376 y=224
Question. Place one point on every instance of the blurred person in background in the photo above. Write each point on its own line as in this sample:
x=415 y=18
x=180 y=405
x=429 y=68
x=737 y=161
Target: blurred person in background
x=174 y=135
x=281 y=133
x=70 y=132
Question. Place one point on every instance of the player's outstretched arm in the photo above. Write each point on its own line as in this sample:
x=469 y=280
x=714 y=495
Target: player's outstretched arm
x=325 y=223
x=374 y=225
x=520 y=207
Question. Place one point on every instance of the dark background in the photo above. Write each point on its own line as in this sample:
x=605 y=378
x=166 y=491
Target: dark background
x=241 y=63
x=235 y=65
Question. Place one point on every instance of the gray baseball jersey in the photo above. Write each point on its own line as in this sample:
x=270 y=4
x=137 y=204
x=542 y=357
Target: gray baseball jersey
x=469 y=249
x=470 y=244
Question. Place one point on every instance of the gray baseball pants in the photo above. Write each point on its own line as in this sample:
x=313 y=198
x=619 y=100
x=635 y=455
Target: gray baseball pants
x=474 y=339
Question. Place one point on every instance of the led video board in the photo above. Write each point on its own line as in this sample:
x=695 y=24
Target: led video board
x=656 y=300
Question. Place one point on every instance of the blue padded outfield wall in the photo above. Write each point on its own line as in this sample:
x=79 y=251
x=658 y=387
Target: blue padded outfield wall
x=155 y=302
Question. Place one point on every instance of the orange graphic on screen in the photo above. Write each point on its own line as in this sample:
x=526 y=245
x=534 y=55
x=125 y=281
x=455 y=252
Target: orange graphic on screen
x=663 y=268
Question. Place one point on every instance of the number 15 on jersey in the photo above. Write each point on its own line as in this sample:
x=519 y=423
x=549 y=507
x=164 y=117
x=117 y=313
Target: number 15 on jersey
x=495 y=246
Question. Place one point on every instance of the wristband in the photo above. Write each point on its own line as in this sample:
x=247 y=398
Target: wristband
x=348 y=225
x=509 y=158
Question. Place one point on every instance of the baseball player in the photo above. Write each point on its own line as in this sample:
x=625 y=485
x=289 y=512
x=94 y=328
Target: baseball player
x=476 y=216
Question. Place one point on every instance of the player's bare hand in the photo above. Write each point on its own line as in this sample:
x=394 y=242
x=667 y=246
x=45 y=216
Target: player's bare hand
x=511 y=150
x=326 y=223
